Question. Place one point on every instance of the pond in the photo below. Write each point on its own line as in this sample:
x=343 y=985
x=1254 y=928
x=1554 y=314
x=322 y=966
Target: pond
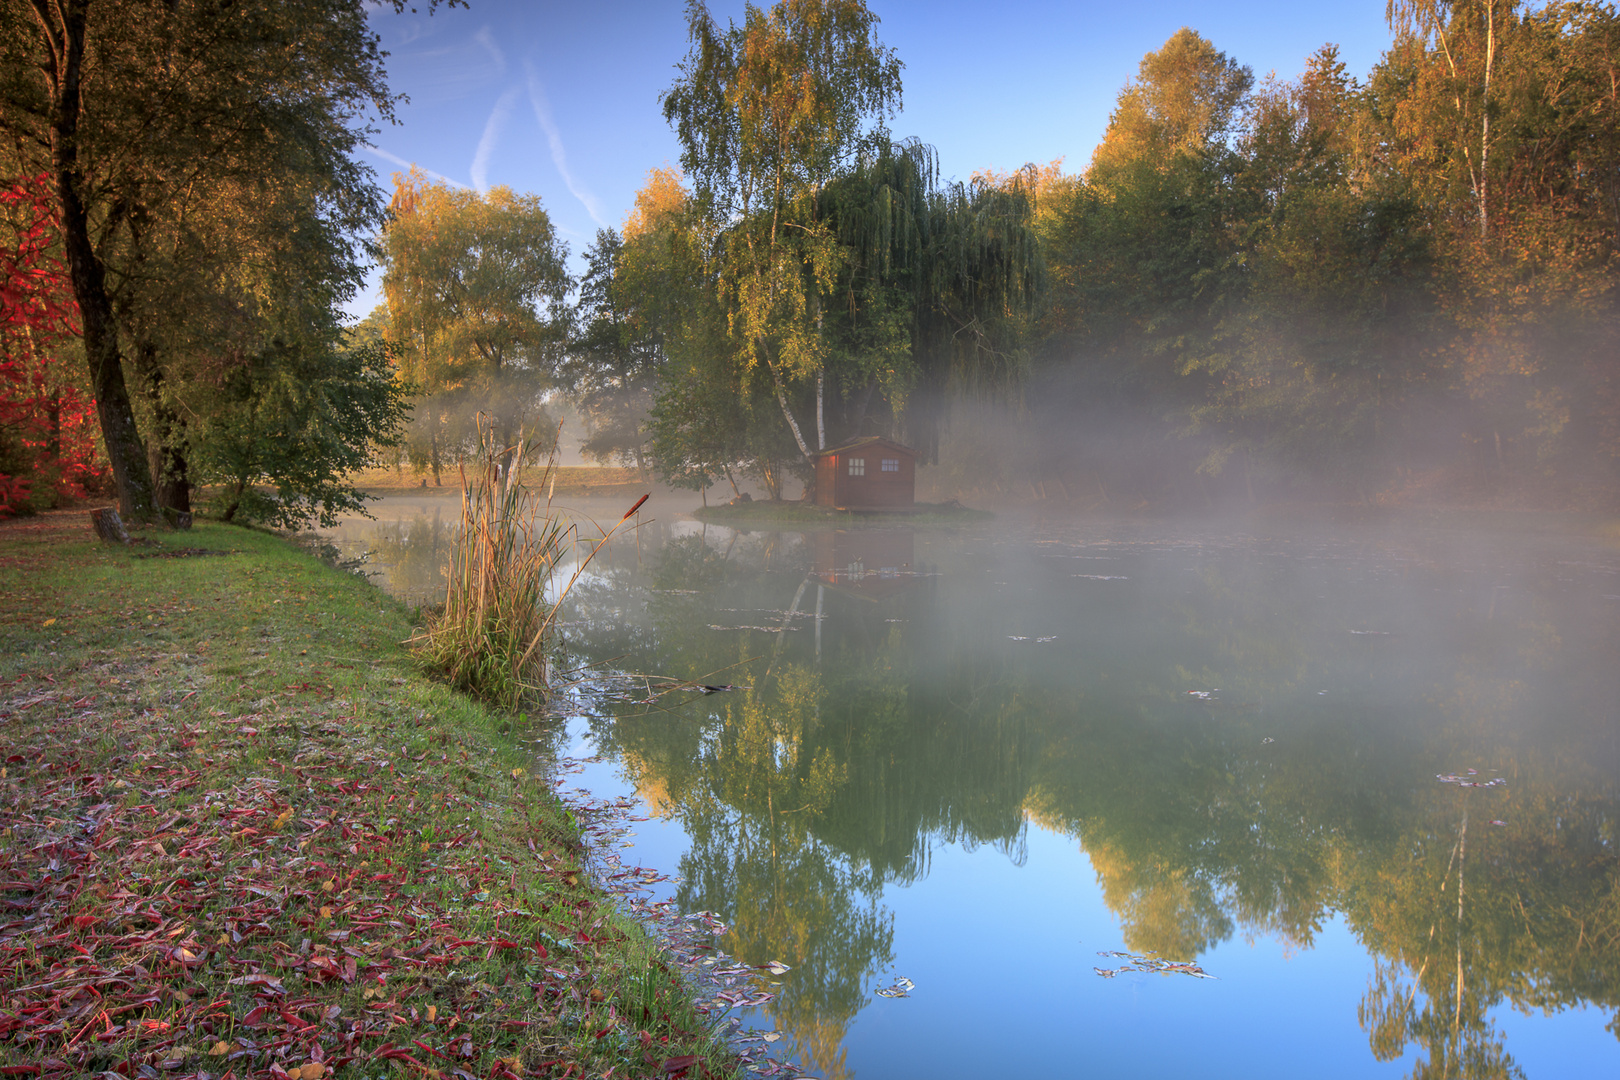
x=1123 y=798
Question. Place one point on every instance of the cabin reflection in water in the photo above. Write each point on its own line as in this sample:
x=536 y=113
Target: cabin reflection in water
x=871 y=563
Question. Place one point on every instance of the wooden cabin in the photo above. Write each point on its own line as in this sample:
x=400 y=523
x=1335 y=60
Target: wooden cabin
x=873 y=473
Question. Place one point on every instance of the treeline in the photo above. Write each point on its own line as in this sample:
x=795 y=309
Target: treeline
x=1377 y=284
x=1402 y=285
x=805 y=281
x=1397 y=286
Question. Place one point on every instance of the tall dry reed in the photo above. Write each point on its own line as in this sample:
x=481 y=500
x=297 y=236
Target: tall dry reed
x=491 y=638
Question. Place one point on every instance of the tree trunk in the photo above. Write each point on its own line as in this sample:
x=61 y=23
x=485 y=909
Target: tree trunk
x=170 y=471
x=433 y=449
x=1485 y=121
x=821 y=419
x=787 y=412
x=66 y=44
x=53 y=441
x=235 y=504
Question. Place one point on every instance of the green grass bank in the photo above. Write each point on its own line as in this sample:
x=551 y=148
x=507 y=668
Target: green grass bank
x=242 y=835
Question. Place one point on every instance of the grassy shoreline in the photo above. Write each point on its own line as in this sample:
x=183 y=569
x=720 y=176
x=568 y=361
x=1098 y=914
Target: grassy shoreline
x=240 y=833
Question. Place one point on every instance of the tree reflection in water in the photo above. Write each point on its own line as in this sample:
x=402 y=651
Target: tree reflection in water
x=1304 y=790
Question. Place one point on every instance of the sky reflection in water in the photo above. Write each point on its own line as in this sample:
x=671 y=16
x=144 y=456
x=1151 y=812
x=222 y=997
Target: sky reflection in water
x=989 y=765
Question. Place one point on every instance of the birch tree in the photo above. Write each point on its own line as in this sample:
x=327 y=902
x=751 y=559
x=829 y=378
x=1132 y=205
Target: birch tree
x=767 y=114
x=1443 y=22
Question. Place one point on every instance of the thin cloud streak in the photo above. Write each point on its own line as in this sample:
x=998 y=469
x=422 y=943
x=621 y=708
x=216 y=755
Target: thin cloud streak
x=486 y=143
x=559 y=157
x=395 y=159
x=487 y=40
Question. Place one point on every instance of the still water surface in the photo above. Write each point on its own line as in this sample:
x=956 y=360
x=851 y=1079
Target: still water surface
x=984 y=758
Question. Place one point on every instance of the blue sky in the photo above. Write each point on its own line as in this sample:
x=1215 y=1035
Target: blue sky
x=561 y=98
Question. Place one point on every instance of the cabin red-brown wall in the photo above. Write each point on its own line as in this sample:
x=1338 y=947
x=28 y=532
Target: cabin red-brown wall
x=876 y=490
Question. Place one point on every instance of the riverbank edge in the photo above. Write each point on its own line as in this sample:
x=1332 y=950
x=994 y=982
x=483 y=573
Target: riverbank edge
x=242 y=834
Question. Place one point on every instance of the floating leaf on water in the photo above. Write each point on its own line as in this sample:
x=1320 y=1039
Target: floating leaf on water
x=1151 y=965
x=902 y=987
x=776 y=967
x=1461 y=779
x=1498 y=823
x=771 y=1036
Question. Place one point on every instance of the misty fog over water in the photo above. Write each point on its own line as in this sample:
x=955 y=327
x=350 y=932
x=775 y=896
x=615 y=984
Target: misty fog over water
x=1055 y=773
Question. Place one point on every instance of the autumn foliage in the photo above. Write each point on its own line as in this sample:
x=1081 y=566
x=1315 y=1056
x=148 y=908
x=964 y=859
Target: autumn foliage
x=47 y=423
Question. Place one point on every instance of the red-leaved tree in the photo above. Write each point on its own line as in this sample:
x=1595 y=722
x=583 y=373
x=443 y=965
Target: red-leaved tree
x=47 y=424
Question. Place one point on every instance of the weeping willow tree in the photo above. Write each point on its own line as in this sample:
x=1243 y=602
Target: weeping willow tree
x=925 y=289
x=938 y=288
x=847 y=275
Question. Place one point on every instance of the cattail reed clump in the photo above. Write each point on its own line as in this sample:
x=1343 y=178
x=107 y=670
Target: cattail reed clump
x=491 y=640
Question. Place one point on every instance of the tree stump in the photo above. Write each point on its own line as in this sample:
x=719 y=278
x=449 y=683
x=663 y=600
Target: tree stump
x=109 y=526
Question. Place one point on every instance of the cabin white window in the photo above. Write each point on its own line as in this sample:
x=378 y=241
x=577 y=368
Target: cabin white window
x=857 y=466
x=891 y=464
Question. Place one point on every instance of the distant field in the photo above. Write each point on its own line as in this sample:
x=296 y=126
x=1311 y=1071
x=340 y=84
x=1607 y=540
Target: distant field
x=571 y=479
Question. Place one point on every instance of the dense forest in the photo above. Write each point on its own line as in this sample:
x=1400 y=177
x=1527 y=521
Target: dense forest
x=1402 y=285
x=1393 y=286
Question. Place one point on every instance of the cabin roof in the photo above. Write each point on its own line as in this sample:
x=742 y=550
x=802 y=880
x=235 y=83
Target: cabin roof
x=866 y=443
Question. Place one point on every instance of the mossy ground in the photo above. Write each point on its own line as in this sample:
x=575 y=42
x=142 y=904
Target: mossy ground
x=240 y=833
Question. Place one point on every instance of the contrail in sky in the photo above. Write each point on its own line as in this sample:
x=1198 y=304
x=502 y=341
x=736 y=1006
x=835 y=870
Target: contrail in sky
x=395 y=159
x=487 y=40
x=559 y=157
x=486 y=144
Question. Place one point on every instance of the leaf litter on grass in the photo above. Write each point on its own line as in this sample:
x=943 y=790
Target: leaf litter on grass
x=255 y=882
x=141 y=938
